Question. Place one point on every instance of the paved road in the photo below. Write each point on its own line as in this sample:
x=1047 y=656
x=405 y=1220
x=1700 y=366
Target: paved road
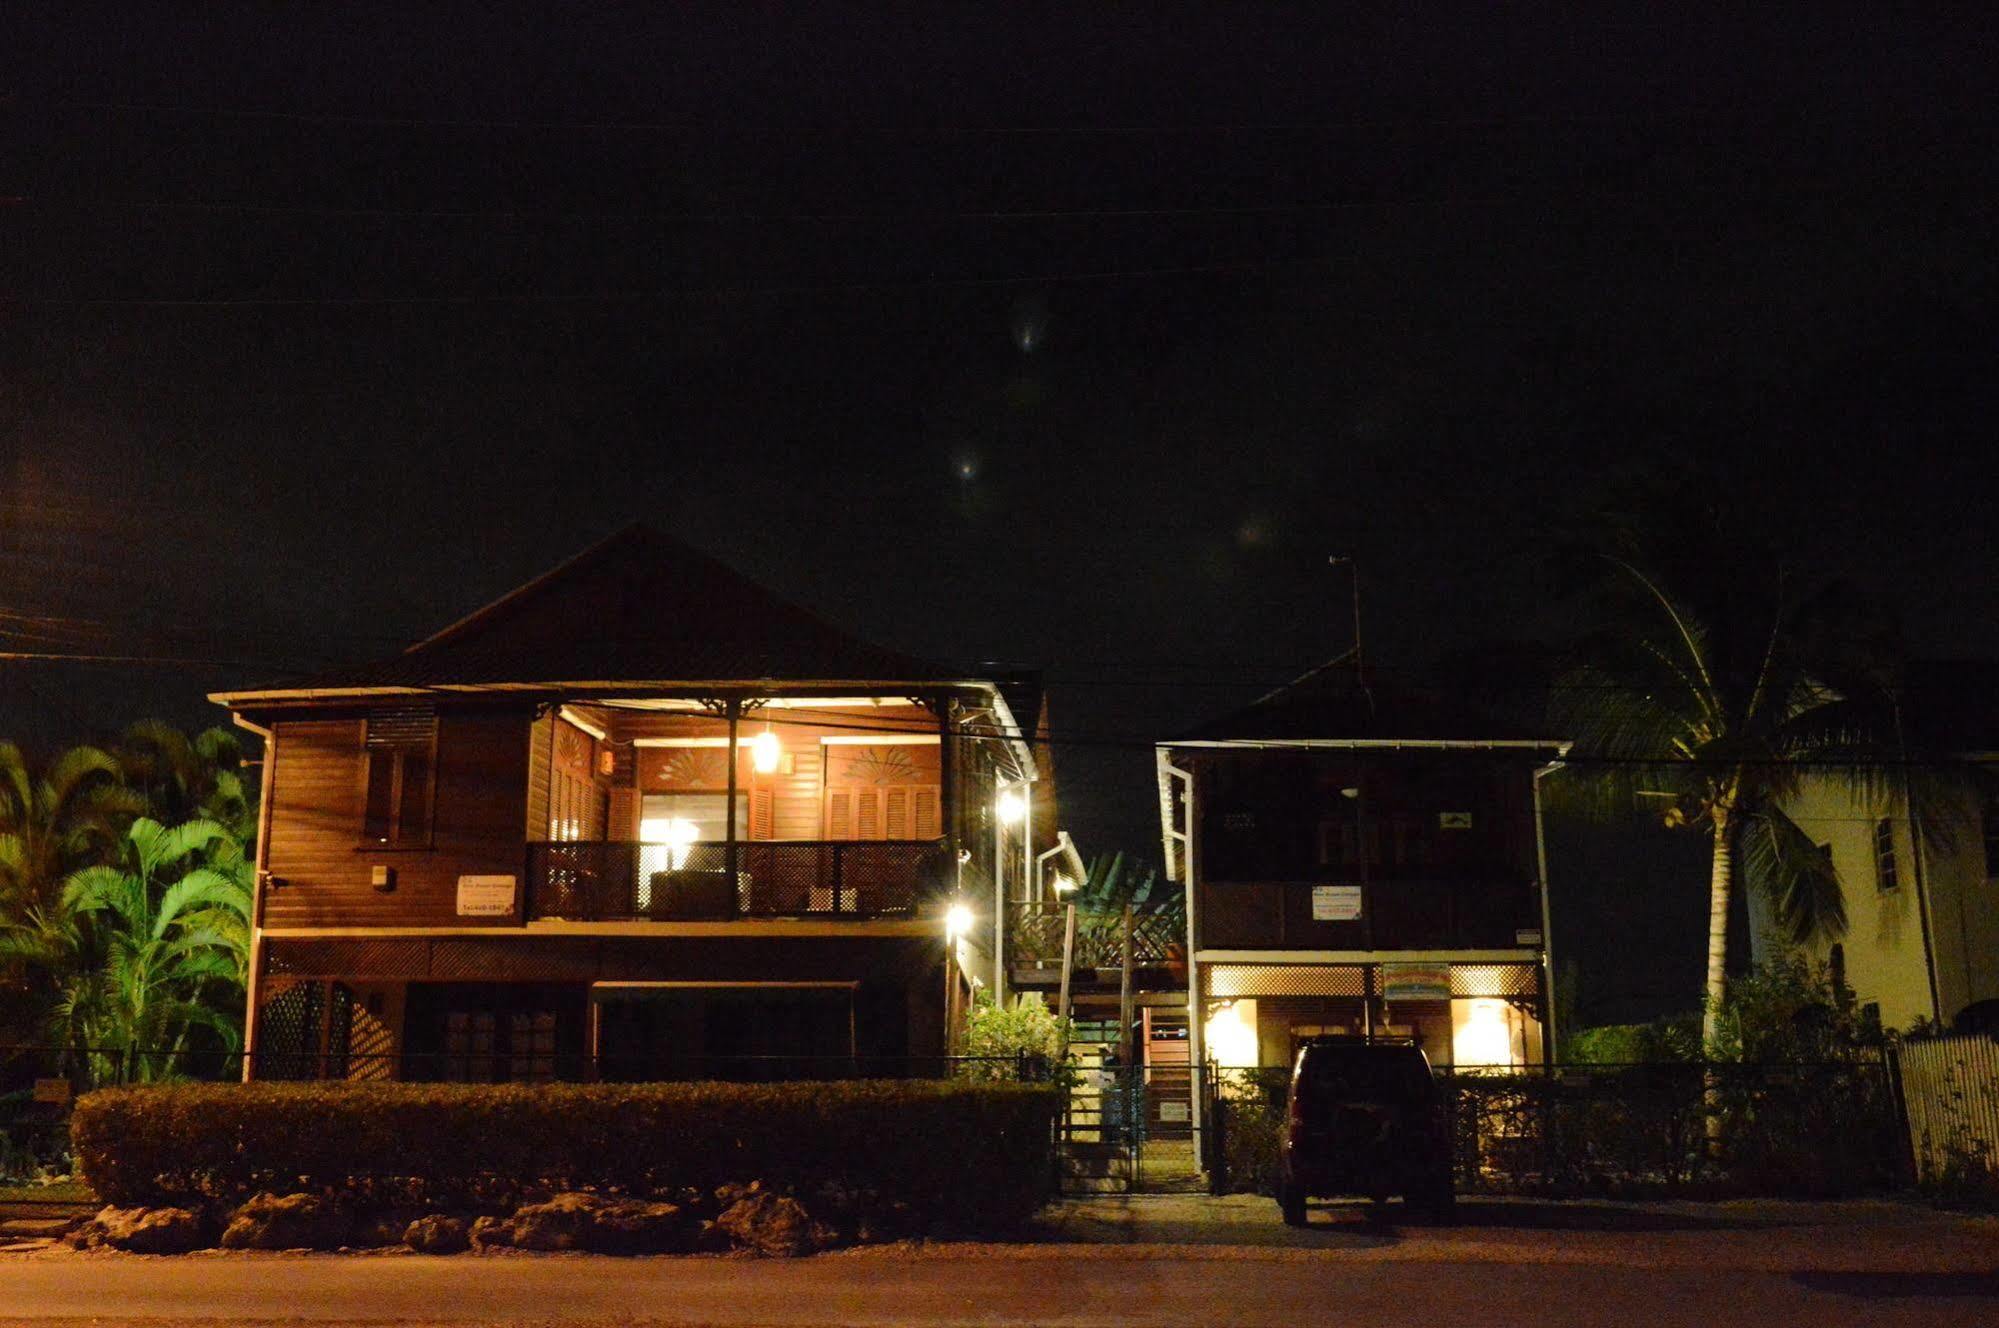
x=1546 y=1265
x=976 y=1291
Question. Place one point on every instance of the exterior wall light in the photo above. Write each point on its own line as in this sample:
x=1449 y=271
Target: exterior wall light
x=1011 y=807
x=765 y=751
x=1063 y=885
x=957 y=921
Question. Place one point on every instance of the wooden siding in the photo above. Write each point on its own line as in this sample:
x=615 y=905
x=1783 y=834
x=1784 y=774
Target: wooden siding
x=1273 y=824
x=320 y=870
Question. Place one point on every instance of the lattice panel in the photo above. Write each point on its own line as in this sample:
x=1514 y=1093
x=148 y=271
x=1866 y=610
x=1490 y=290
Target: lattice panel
x=288 y=1031
x=385 y=957
x=1227 y=981
x=1495 y=980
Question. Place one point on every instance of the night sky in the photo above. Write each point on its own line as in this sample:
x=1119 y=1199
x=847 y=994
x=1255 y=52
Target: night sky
x=1064 y=337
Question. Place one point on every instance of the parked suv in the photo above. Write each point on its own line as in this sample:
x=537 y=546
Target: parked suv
x=1365 y=1118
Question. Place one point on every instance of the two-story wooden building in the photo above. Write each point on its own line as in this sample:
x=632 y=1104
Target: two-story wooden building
x=1363 y=861
x=638 y=818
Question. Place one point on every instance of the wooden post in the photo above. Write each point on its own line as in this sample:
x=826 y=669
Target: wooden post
x=1068 y=959
x=735 y=716
x=1124 y=994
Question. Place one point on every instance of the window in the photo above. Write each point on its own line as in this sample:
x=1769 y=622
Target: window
x=400 y=750
x=1885 y=877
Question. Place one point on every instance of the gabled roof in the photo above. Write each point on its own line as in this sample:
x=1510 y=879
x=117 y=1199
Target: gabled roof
x=1331 y=705
x=637 y=608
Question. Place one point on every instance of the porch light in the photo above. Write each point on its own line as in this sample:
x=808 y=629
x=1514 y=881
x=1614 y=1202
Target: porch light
x=1229 y=1036
x=1483 y=1036
x=678 y=834
x=1011 y=807
x=765 y=751
x=1063 y=885
x=957 y=921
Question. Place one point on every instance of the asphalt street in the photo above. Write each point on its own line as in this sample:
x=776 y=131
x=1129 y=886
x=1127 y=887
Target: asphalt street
x=1546 y=1265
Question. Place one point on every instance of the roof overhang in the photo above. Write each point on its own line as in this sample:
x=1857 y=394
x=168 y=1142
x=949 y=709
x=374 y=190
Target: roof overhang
x=626 y=689
x=1559 y=746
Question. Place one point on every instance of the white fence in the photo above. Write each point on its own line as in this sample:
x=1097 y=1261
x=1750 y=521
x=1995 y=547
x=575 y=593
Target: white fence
x=1950 y=1088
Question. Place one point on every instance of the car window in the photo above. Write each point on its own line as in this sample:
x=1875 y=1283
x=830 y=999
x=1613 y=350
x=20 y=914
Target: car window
x=1363 y=1076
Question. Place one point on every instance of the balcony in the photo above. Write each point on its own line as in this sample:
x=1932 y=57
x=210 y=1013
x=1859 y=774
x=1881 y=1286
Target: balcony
x=1034 y=938
x=1396 y=915
x=626 y=881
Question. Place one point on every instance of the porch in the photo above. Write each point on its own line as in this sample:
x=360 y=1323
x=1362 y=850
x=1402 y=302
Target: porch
x=631 y=880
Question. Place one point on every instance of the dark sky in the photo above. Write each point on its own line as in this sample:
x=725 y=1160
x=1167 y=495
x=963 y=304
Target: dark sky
x=1065 y=336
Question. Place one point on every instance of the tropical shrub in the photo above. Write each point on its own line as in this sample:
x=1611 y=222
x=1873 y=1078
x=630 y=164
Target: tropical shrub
x=1001 y=1041
x=958 y=1154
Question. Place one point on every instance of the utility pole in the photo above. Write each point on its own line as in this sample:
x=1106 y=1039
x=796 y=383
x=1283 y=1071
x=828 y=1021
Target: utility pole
x=1359 y=653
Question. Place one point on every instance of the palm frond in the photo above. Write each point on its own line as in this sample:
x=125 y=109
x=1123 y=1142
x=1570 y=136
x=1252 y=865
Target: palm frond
x=1793 y=873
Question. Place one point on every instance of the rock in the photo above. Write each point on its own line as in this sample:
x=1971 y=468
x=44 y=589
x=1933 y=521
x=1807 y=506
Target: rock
x=634 y=1226
x=577 y=1221
x=143 y=1230
x=286 y=1222
x=488 y=1232
x=710 y=1238
x=559 y=1224
x=773 y=1224
x=727 y=1196
x=439 y=1234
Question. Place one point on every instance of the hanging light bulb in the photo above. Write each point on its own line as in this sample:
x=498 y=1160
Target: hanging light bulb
x=765 y=751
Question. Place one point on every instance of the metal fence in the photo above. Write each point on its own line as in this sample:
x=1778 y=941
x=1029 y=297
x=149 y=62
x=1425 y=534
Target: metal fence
x=1950 y=1095
x=1679 y=1127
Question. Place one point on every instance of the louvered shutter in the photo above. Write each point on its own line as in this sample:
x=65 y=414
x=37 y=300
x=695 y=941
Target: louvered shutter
x=896 y=813
x=839 y=813
x=929 y=813
x=868 y=818
x=763 y=814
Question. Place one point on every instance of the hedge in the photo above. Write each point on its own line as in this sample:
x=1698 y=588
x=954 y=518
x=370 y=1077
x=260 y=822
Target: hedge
x=966 y=1154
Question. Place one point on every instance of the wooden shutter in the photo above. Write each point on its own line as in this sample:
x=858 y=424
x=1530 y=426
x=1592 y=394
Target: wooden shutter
x=929 y=821
x=763 y=814
x=868 y=819
x=840 y=813
x=896 y=819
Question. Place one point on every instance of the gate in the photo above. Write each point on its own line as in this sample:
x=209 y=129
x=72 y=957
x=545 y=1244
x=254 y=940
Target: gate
x=1130 y=1130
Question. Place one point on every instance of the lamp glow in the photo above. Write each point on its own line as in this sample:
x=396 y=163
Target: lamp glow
x=765 y=751
x=1011 y=807
x=1484 y=1038
x=1230 y=1036
x=957 y=921
x=1063 y=885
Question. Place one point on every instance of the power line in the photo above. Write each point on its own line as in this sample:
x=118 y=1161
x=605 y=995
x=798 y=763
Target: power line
x=707 y=293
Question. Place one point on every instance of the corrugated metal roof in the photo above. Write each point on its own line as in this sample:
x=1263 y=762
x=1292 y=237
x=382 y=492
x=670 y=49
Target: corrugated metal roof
x=638 y=607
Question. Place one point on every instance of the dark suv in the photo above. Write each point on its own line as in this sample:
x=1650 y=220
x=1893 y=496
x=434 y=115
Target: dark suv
x=1365 y=1118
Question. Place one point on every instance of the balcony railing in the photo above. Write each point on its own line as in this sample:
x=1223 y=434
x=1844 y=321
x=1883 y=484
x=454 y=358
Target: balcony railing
x=1034 y=936
x=597 y=881
x=1396 y=915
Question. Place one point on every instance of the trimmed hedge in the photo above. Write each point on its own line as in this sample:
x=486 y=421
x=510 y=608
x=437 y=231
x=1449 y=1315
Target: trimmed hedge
x=973 y=1155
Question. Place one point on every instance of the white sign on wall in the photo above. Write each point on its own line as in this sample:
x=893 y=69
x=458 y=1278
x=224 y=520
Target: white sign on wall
x=486 y=896
x=1335 y=903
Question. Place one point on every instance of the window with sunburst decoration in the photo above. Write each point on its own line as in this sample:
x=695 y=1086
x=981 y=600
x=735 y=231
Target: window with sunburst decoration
x=880 y=765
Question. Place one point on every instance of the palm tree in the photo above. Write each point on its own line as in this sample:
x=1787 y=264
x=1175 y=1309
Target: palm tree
x=149 y=954
x=73 y=812
x=1714 y=703
x=186 y=778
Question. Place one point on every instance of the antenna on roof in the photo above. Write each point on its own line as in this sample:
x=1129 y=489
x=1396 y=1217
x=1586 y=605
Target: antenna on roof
x=1359 y=657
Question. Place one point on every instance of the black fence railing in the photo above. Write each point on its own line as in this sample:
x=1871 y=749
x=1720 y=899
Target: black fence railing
x=1660 y=1127
x=597 y=881
x=1395 y=914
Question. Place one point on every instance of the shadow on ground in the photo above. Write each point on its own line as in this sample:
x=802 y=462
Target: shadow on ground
x=1243 y=1220
x=1898 y=1286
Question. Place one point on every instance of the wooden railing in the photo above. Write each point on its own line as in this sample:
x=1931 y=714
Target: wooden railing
x=599 y=881
x=1395 y=915
x=1034 y=936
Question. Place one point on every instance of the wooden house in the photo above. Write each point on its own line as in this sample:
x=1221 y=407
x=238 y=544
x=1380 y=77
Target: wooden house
x=639 y=818
x=1361 y=860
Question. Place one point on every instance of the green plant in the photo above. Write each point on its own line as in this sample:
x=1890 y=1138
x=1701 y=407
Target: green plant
x=1001 y=1041
x=147 y=958
x=966 y=1154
